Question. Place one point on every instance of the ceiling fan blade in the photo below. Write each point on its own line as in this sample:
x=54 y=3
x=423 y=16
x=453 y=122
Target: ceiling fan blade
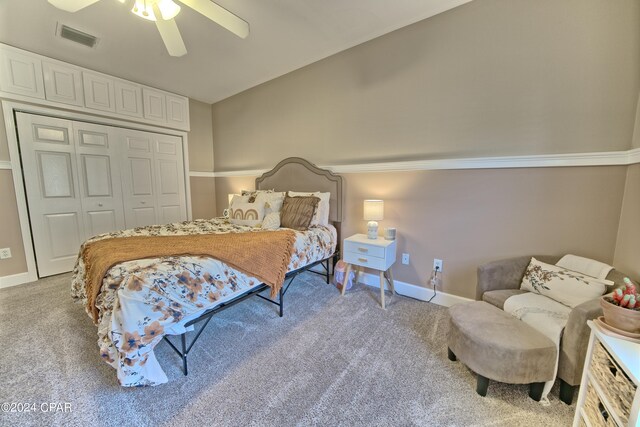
x=72 y=5
x=220 y=15
x=170 y=35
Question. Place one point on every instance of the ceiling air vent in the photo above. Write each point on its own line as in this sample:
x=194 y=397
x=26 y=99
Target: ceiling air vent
x=77 y=36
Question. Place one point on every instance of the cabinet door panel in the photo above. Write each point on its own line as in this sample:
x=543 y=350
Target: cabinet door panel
x=154 y=105
x=168 y=178
x=21 y=74
x=128 y=99
x=99 y=222
x=141 y=176
x=178 y=111
x=97 y=175
x=56 y=175
x=64 y=235
x=63 y=83
x=142 y=216
x=99 y=92
x=171 y=214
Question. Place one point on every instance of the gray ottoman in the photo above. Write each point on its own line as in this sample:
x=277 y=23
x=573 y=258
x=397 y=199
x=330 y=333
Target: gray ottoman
x=499 y=347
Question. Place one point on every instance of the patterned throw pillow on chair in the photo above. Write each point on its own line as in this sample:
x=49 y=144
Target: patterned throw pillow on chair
x=565 y=286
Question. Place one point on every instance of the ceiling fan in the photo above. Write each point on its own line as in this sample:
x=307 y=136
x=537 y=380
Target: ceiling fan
x=163 y=12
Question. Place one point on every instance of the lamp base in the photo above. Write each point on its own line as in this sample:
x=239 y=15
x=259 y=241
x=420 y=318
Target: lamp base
x=372 y=230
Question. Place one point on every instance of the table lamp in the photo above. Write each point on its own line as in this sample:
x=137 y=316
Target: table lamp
x=373 y=212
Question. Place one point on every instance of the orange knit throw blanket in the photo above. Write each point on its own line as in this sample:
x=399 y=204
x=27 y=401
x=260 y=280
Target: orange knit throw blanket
x=264 y=255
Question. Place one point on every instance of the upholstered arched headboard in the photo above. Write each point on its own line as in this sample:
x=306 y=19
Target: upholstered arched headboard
x=298 y=174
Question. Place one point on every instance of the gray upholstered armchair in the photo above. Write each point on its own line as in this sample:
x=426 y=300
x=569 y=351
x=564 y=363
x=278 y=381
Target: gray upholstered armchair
x=499 y=280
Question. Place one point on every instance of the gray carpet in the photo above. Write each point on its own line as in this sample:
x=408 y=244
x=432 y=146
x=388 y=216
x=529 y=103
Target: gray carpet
x=330 y=361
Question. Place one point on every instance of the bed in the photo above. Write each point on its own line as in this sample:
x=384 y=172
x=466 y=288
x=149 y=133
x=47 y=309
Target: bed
x=140 y=302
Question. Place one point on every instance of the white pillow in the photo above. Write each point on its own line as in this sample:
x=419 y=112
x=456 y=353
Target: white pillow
x=565 y=286
x=271 y=221
x=274 y=199
x=587 y=266
x=238 y=199
x=250 y=214
x=321 y=217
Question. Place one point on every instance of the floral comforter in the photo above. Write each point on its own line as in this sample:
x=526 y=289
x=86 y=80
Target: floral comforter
x=143 y=300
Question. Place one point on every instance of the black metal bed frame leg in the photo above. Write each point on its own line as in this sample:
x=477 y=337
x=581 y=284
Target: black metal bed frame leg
x=328 y=281
x=281 y=298
x=183 y=338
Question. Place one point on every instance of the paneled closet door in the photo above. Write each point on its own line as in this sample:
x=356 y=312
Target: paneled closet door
x=99 y=171
x=50 y=175
x=138 y=178
x=171 y=200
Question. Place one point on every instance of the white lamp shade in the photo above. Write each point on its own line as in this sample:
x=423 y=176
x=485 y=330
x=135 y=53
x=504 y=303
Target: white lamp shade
x=373 y=210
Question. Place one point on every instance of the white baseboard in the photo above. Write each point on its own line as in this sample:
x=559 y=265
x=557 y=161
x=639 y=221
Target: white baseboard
x=16 y=279
x=414 y=291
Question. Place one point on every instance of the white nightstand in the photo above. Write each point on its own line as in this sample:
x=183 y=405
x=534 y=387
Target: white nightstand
x=378 y=254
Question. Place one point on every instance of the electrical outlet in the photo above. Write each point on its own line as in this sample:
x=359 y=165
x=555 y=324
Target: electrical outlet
x=437 y=264
x=405 y=259
x=5 y=253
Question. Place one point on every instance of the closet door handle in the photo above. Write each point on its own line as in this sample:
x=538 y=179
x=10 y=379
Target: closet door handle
x=143 y=202
x=100 y=204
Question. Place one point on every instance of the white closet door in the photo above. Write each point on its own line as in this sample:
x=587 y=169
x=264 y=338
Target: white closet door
x=138 y=178
x=171 y=200
x=100 y=188
x=50 y=175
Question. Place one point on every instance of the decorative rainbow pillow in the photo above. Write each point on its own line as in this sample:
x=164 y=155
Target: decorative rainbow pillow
x=250 y=214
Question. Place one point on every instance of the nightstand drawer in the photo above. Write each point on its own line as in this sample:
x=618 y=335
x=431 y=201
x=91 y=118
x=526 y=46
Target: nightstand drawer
x=365 y=260
x=364 y=249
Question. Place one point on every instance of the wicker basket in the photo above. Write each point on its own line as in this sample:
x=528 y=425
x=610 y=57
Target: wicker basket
x=595 y=411
x=617 y=387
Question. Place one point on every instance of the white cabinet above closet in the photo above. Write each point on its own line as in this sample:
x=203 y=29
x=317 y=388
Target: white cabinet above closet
x=155 y=105
x=128 y=99
x=63 y=83
x=25 y=75
x=177 y=110
x=99 y=93
x=20 y=73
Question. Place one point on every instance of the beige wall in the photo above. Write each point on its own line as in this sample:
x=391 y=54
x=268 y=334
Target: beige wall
x=203 y=192
x=491 y=77
x=200 y=137
x=627 y=255
x=4 y=146
x=469 y=217
x=636 y=131
x=10 y=235
x=203 y=202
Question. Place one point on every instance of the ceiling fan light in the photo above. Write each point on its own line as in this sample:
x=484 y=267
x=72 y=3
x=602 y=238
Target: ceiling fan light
x=144 y=9
x=168 y=9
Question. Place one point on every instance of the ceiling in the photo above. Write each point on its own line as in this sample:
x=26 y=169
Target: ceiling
x=285 y=35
